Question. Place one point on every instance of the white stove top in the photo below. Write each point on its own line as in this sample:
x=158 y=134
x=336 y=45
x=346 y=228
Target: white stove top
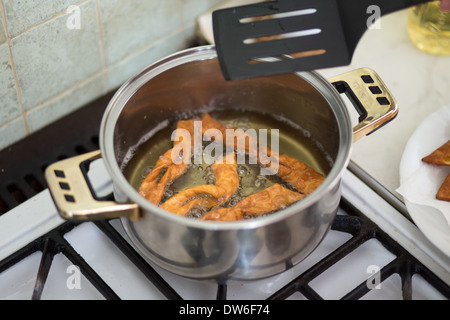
x=37 y=216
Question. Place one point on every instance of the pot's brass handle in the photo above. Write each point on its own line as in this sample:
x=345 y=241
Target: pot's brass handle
x=371 y=98
x=74 y=196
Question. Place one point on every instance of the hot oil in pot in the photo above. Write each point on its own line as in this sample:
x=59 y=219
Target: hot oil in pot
x=292 y=140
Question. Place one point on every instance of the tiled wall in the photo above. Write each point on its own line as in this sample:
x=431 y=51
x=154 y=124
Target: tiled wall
x=58 y=55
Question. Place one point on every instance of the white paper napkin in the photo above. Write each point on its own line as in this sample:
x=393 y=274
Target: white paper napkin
x=421 y=188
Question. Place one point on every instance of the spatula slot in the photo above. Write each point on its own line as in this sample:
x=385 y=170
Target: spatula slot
x=295 y=34
x=310 y=31
x=281 y=15
x=296 y=55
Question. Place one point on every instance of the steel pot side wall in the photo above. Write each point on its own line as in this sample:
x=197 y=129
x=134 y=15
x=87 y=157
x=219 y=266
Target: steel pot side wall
x=238 y=254
x=177 y=87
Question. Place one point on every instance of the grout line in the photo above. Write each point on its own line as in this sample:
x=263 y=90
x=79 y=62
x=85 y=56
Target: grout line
x=100 y=35
x=13 y=68
x=131 y=55
x=55 y=16
x=78 y=85
x=10 y=121
x=3 y=14
x=106 y=69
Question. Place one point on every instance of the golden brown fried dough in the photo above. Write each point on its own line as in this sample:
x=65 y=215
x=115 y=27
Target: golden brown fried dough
x=206 y=197
x=440 y=156
x=444 y=191
x=302 y=177
x=152 y=189
x=274 y=198
x=227 y=183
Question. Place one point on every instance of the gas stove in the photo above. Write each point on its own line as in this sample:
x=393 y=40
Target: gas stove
x=373 y=251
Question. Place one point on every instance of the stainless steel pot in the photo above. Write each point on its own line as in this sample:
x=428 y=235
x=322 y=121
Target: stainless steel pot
x=179 y=85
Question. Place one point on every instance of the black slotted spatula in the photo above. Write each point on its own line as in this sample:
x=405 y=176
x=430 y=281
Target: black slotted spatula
x=253 y=40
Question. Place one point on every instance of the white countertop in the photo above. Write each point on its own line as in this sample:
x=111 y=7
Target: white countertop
x=420 y=83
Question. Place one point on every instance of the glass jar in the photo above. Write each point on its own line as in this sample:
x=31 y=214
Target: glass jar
x=429 y=27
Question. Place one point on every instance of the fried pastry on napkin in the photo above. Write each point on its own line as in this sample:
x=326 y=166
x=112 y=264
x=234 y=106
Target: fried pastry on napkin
x=444 y=191
x=440 y=156
x=422 y=186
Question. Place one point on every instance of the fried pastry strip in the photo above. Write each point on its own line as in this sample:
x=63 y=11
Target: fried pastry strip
x=152 y=189
x=274 y=198
x=227 y=183
x=302 y=177
x=444 y=191
x=209 y=123
x=440 y=156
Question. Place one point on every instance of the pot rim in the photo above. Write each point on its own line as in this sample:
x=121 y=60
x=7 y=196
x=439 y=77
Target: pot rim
x=129 y=88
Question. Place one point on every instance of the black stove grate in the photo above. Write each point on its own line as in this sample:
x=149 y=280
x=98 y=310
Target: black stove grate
x=21 y=177
x=362 y=230
x=356 y=224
